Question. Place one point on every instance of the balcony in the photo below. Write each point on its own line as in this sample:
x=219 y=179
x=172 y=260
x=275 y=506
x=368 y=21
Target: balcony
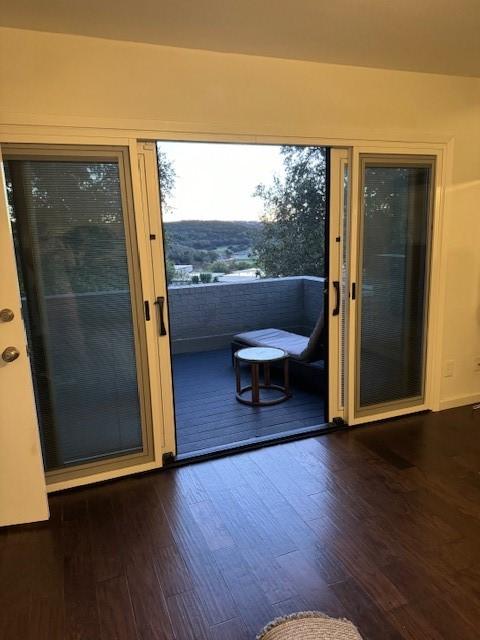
x=203 y=320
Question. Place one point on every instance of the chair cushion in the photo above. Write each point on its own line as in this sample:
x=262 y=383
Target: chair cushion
x=292 y=343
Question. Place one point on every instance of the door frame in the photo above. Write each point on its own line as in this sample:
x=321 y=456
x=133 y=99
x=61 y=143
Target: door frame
x=148 y=186
x=120 y=133
x=338 y=235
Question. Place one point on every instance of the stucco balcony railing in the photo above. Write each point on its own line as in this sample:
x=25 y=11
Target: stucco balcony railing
x=204 y=317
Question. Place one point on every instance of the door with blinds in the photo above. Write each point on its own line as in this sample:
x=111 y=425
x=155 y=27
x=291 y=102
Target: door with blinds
x=390 y=285
x=71 y=216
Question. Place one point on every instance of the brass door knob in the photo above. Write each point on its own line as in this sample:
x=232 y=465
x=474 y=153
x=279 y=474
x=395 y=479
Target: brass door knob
x=10 y=354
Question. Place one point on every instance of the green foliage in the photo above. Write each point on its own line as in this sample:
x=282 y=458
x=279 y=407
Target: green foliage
x=241 y=264
x=167 y=176
x=195 y=280
x=205 y=278
x=75 y=213
x=203 y=242
x=220 y=266
x=170 y=271
x=212 y=234
x=292 y=239
x=227 y=266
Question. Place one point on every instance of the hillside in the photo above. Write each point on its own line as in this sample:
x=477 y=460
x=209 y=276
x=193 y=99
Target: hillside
x=202 y=242
x=211 y=234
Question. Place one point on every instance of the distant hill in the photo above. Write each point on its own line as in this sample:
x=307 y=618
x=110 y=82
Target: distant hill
x=210 y=235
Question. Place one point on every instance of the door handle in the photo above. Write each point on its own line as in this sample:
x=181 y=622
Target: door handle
x=10 y=354
x=160 y=302
x=336 y=286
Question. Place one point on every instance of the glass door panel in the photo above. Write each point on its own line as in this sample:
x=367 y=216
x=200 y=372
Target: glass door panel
x=77 y=266
x=394 y=240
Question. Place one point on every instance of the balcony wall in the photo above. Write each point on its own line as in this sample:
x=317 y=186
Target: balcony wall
x=204 y=317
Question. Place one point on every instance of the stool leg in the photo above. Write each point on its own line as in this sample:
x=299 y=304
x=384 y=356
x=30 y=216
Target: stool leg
x=255 y=384
x=266 y=374
x=237 y=375
x=286 y=377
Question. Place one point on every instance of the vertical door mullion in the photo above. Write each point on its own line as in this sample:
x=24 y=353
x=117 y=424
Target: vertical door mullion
x=336 y=359
x=147 y=192
x=352 y=279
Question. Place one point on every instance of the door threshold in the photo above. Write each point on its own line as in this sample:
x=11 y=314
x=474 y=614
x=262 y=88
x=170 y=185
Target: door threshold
x=252 y=444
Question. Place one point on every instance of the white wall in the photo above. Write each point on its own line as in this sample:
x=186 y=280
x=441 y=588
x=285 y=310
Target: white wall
x=48 y=78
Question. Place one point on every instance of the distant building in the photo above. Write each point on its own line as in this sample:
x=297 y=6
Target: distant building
x=183 y=269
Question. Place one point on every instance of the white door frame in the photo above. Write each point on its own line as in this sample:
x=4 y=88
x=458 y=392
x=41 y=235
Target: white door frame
x=146 y=182
x=337 y=284
x=114 y=132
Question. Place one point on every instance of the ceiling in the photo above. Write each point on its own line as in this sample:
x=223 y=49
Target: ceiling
x=440 y=36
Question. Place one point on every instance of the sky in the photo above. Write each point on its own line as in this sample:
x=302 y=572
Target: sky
x=216 y=181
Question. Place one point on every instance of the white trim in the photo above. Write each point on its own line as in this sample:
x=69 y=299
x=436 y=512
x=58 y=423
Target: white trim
x=385 y=415
x=61 y=485
x=160 y=355
x=459 y=401
x=83 y=130
x=338 y=158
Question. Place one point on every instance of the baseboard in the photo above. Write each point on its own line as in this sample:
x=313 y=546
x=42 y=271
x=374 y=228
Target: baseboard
x=459 y=401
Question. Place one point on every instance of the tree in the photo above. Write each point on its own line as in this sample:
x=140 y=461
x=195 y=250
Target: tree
x=75 y=210
x=292 y=239
x=221 y=266
x=167 y=176
x=170 y=271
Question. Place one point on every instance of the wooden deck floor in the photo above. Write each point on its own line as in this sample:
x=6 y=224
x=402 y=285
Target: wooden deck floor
x=379 y=524
x=208 y=415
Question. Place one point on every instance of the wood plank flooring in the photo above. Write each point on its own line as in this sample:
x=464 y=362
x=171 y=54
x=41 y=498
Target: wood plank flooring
x=380 y=524
x=208 y=415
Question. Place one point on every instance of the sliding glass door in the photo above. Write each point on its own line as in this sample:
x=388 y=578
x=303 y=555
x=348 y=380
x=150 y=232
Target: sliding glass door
x=392 y=283
x=71 y=215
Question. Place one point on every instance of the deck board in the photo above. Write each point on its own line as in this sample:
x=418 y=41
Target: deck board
x=209 y=416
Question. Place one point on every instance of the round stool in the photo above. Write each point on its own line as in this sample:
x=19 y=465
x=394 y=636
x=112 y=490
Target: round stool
x=256 y=356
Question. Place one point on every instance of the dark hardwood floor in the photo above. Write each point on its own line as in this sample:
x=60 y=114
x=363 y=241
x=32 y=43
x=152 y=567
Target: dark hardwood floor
x=380 y=524
x=208 y=416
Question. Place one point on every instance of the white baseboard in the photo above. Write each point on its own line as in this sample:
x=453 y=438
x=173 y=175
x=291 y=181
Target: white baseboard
x=459 y=401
